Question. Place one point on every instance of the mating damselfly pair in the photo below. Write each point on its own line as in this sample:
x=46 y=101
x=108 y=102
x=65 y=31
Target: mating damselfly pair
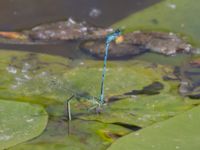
x=98 y=101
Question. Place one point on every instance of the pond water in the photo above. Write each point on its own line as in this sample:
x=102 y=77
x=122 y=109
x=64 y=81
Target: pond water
x=18 y=14
x=23 y=14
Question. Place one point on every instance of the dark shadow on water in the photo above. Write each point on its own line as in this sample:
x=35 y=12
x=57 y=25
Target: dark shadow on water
x=65 y=49
x=128 y=126
x=19 y=14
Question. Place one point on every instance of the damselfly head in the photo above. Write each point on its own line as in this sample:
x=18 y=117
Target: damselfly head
x=118 y=32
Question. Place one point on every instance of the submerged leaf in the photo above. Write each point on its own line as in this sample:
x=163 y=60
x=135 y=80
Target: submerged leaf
x=81 y=134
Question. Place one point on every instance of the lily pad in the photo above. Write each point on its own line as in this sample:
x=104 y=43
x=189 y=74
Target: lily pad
x=181 y=132
x=20 y=122
x=169 y=15
x=32 y=77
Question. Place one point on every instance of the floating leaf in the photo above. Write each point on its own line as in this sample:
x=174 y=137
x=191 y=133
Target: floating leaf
x=32 y=77
x=20 y=122
x=180 y=132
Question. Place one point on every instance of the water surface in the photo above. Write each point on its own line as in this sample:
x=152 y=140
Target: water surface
x=23 y=14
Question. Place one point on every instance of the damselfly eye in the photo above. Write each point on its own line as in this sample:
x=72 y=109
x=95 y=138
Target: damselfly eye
x=118 y=31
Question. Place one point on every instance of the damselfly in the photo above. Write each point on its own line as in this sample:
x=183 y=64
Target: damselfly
x=98 y=102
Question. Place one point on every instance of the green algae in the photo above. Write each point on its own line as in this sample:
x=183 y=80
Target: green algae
x=83 y=135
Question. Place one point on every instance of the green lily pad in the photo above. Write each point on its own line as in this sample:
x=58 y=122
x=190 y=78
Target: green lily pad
x=181 y=132
x=32 y=77
x=20 y=122
x=169 y=15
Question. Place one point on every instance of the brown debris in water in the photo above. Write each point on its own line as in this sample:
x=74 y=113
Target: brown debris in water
x=57 y=31
x=93 y=38
x=136 y=43
x=66 y=30
x=13 y=35
x=190 y=79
